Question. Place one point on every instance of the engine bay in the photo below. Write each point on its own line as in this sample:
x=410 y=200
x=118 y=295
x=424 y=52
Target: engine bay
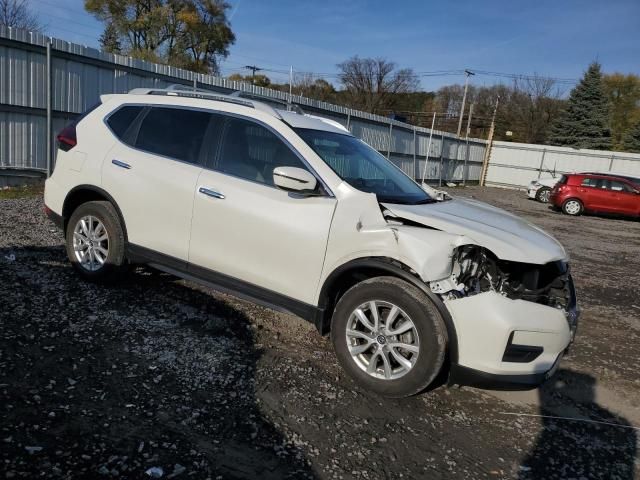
x=476 y=270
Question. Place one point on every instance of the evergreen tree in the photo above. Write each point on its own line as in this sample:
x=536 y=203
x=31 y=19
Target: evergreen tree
x=585 y=121
x=109 y=39
x=631 y=139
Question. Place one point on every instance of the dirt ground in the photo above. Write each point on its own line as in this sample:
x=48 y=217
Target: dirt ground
x=162 y=376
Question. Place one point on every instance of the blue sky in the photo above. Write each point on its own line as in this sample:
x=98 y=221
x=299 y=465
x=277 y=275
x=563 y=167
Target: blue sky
x=554 y=38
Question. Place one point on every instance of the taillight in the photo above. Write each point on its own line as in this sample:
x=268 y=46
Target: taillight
x=67 y=138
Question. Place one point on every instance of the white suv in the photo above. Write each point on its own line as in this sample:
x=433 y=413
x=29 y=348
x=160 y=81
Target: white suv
x=293 y=212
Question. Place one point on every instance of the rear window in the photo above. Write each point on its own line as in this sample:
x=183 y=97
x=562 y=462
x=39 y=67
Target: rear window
x=563 y=180
x=120 y=121
x=173 y=132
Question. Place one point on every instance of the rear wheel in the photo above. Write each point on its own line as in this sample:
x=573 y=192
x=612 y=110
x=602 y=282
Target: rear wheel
x=543 y=194
x=95 y=242
x=389 y=336
x=572 y=206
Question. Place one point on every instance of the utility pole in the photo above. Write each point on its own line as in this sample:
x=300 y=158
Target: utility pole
x=487 y=154
x=253 y=69
x=426 y=160
x=465 y=167
x=467 y=73
x=290 y=88
x=469 y=121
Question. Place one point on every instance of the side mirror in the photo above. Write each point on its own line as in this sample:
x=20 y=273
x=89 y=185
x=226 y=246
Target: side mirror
x=294 y=179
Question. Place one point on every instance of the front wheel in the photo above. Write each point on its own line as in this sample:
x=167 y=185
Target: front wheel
x=95 y=242
x=389 y=336
x=573 y=206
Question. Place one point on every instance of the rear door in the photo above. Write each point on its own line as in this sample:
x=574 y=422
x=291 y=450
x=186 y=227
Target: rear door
x=152 y=172
x=248 y=229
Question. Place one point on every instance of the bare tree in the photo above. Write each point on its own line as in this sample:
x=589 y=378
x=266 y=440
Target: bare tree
x=371 y=83
x=16 y=13
x=527 y=107
x=309 y=85
x=535 y=103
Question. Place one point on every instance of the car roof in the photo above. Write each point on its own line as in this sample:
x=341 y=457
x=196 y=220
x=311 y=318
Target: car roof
x=295 y=118
x=606 y=176
x=626 y=176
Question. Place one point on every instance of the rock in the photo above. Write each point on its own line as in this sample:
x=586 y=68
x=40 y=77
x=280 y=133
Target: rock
x=155 y=472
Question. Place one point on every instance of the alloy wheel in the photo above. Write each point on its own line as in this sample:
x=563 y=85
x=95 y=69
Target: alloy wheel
x=382 y=340
x=90 y=243
x=544 y=195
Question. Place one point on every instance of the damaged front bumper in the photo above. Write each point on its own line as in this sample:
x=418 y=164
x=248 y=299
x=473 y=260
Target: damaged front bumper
x=509 y=344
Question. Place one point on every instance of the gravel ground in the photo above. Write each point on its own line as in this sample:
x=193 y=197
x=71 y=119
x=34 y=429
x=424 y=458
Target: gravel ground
x=158 y=376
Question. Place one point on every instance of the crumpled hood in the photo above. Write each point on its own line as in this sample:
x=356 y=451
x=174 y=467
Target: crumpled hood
x=509 y=237
x=548 y=182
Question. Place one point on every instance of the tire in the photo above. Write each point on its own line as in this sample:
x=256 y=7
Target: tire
x=97 y=267
x=542 y=195
x=427 y=337
x=572 y=206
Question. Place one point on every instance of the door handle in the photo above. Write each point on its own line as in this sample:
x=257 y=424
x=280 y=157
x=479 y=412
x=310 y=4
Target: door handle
x=211 y=193
x=120 y=164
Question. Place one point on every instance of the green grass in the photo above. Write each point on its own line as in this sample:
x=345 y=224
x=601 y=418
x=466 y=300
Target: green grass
x=22 y=192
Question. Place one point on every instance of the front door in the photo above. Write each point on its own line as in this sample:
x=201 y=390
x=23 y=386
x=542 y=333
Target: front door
x=625 y=199
x=248 y=229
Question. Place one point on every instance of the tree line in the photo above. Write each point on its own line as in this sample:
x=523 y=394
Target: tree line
x=602 y=111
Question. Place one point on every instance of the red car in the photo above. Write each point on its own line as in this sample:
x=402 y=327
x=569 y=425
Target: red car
x=577 y=193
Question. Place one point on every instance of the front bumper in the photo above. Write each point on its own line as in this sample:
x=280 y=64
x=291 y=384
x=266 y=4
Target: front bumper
x=532 y=191
x=509 y=344
x=461 y=375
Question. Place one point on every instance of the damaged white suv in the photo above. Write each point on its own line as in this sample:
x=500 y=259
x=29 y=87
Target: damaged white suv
x=293 y=212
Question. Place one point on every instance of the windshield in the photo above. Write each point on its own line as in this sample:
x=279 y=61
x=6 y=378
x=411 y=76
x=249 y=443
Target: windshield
x=364 y=168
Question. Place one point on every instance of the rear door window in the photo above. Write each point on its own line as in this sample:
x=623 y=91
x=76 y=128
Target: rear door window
x=602 y=183
x=176 y=133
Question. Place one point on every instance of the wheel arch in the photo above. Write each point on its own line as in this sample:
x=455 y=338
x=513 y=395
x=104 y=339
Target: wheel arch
x=355 y=271
x=88 y=193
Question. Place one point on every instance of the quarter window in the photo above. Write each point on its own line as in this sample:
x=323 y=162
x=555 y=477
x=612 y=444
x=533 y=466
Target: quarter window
x=120 y=121
x=173 y=132
x=251 y=151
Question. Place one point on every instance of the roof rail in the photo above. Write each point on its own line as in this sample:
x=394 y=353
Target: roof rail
x=172 y=91
x=290 y=106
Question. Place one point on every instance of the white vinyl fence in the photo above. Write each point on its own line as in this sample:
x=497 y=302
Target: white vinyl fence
x=516 y=164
